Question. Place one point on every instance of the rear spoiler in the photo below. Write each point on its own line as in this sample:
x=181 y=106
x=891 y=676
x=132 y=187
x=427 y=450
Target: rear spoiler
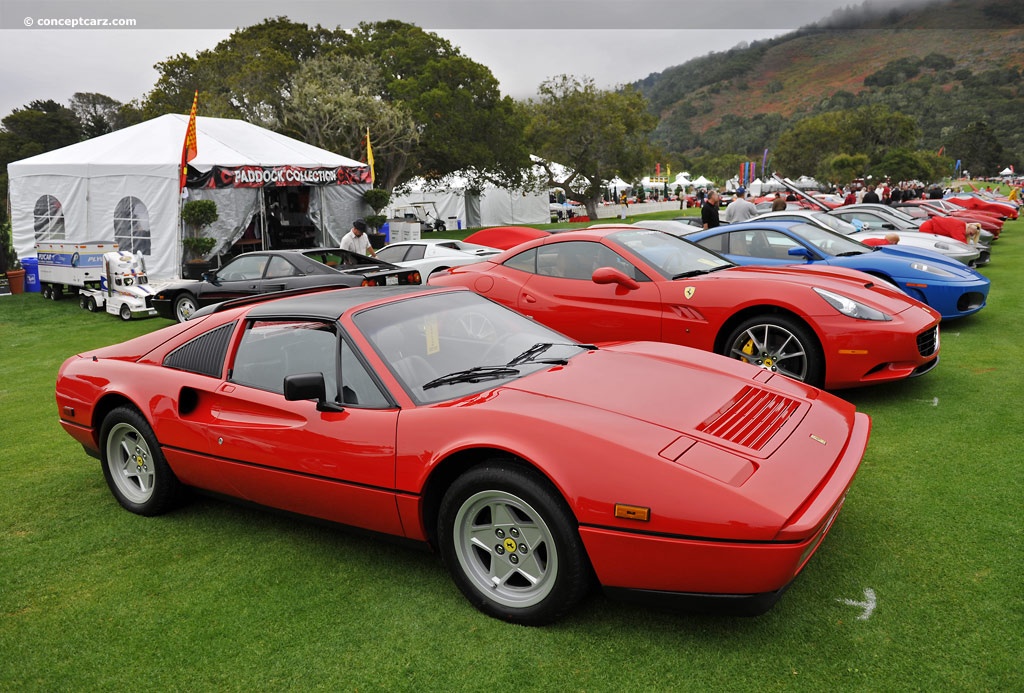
x=791 y=186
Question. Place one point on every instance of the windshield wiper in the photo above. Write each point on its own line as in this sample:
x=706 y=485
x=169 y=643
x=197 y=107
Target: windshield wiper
x=690 y=273
x=472 y=375
x=851 y=253
x=539 y=348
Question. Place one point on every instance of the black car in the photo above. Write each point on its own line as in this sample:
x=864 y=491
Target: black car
x=266 y=271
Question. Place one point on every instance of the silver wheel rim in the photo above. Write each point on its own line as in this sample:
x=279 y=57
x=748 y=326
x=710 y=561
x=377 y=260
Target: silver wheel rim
x=505 y=548
x=773 y=348
x=130 y=463
x=184 y=307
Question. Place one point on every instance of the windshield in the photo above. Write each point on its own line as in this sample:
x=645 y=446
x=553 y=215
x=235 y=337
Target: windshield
x=447 y=345
x=834 y=223
x=829 y=242
x=672 y=257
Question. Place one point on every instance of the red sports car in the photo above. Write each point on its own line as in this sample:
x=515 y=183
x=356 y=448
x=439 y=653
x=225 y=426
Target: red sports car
x=531 y=462
x=833 y=327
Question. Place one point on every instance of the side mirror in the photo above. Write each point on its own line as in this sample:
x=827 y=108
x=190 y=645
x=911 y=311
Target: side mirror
x=610 y=275
x=211 y=277
x=303 y=386
x=800 y=251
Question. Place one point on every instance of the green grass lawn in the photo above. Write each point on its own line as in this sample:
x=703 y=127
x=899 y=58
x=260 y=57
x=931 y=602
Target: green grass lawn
x=221 y=597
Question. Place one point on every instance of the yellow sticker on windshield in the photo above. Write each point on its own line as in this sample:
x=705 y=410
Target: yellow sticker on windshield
x=431 y=332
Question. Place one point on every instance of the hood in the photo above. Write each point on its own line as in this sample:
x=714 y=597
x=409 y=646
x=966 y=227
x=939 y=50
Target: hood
x=848 y=282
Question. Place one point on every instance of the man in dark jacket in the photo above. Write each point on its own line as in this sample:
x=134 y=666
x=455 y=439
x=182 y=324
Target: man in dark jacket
x=709 y=212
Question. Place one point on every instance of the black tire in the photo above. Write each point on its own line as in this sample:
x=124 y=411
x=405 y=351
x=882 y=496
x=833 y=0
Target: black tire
x=83 y=302
x=90 y=304
x=134 y=466
x=47 y=291
x=779 y=344
x=511 y=544
x=125 y=312
x=184 y=306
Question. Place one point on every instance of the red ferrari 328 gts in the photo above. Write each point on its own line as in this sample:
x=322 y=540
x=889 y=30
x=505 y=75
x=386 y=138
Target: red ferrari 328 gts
x=535 y=465
x=830 y=327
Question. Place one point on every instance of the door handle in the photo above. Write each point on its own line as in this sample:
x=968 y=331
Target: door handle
x=528 y=298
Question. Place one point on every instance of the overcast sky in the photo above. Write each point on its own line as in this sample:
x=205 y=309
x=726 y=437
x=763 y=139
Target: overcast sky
x=523 y=42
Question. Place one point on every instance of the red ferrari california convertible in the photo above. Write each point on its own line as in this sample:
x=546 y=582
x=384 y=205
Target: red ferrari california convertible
x=535 y=465
x=831 y=327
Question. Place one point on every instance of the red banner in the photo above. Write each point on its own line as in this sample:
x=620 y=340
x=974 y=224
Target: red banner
x=279 y=176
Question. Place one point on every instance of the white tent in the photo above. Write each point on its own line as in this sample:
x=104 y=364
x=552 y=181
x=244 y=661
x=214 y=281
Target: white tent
x=124 y=186
x=702 y=182
x=459 y=206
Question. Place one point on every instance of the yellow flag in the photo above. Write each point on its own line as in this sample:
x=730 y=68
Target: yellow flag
x=369 y=155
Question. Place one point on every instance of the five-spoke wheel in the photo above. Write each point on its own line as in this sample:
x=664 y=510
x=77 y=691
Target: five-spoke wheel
x=778 y=344
x=134 y=466
x=511 y=544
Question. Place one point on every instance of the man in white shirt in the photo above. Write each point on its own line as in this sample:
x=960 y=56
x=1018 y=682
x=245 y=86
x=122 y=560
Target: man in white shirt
x=357 y=241
x=740 y=209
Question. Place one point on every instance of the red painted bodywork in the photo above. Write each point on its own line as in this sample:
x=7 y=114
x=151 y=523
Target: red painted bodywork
x=736 y=507
x=505 y=237
x=1004 y=211
x=857 y=352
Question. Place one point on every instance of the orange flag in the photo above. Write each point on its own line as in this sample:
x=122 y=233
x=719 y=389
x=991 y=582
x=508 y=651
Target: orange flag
x=189 y=149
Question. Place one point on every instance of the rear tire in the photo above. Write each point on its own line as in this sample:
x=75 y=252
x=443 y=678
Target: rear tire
x=184 y=306
x=134 y=466
x=511 y=544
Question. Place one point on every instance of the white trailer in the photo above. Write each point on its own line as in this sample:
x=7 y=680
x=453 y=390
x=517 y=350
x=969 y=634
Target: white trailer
x=102 y=276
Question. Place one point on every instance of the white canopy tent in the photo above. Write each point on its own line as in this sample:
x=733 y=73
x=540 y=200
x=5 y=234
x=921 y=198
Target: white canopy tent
x=459 y=206
x=124 y=186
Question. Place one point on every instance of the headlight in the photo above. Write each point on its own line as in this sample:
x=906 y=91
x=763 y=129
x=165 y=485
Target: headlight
x=851 y=308
x=925 y=267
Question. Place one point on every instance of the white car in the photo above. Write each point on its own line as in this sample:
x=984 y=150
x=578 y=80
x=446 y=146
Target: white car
x=431 y=255
x=950 y=247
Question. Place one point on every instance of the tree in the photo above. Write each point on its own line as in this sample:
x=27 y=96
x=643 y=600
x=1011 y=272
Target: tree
x=245 y=76
x=97 y=113
x=597 y=134
x=335 y=99
x=844 y=168
x=978 y=149
x=37 y=128
x=809 y=145
x=464 y=123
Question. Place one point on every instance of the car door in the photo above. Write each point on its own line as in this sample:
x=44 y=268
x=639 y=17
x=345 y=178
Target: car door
x=561 y=294
x=337 y=465
x=754 y=246
x=240 y=277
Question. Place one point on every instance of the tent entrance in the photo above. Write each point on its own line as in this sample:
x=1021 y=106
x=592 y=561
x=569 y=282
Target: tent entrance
x=289 y=219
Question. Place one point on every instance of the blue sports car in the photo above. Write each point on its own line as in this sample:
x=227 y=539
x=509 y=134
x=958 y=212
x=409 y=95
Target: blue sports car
x=946 y=285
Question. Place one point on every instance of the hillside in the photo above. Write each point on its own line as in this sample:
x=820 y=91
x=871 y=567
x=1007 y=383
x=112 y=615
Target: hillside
x=948 y=63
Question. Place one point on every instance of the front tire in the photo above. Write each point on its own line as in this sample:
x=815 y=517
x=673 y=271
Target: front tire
x=134 y=466
x=779 y=344
x=125 y=312
x=184 y=306
x=511 y=544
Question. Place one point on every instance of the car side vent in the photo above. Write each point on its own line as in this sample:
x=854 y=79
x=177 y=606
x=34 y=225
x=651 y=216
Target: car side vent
x=204 y=354
x=751 y=418
x=928 y=342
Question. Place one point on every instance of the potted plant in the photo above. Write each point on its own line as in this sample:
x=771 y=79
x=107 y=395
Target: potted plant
x=10 y=267
x=197 y=215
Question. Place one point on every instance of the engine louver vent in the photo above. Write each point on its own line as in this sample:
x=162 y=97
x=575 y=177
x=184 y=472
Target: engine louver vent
x=751 y=418
x=204 y=354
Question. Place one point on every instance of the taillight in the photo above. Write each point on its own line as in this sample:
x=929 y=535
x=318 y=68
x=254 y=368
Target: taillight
x=368 y=282
x=414 y=278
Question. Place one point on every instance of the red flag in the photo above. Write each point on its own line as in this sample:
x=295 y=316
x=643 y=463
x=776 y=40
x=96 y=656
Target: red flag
x=189 y=149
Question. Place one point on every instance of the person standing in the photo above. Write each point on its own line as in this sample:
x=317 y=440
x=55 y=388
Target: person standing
x=740 y=209
x=357 y=241
x=871 y=197
x=709 y=210
x=779 y=203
